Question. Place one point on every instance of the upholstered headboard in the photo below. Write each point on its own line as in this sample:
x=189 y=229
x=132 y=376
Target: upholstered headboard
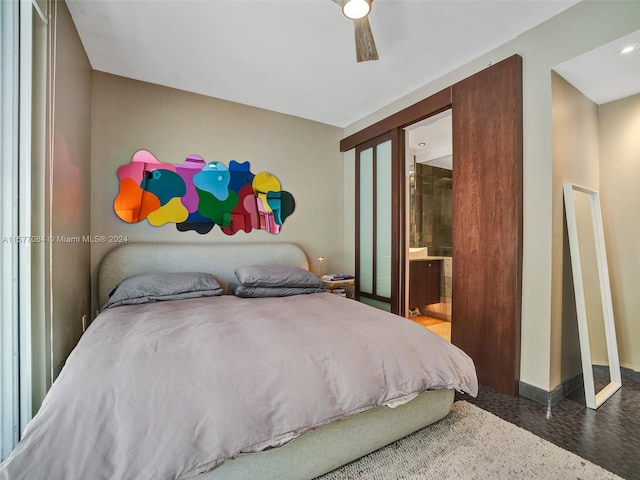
x=219 y=259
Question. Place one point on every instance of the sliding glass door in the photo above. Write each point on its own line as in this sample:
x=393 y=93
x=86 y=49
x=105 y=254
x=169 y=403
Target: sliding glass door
x=23 y=82
x=9 y=79
x=377 y=222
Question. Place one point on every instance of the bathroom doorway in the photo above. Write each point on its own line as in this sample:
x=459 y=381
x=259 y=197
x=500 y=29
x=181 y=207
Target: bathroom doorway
x=429 y=177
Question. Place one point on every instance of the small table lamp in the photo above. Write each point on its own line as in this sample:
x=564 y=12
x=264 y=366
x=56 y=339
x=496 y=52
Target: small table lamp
x=321 y=262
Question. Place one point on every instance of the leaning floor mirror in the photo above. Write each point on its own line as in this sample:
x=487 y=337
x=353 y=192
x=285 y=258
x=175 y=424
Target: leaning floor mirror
x=596 y=328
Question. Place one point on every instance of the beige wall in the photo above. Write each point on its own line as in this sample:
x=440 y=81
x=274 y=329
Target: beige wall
x=619 y=181
x=599 y=148
x=575 y=160
x=128 y=115
x=581 y=28
x=69 y=196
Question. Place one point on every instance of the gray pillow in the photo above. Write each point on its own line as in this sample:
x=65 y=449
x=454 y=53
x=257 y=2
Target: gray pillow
x=260 y=292
x=152 y=287
x=277 y=276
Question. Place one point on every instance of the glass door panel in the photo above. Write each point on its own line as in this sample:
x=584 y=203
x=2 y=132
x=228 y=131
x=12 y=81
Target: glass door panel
x=383 y=219
x=375 y=217
x=365 y=274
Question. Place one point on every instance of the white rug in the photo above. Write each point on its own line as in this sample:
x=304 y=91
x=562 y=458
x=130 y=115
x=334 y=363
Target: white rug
x=471 y=443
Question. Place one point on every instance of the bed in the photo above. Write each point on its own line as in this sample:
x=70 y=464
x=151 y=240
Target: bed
x=222 y=386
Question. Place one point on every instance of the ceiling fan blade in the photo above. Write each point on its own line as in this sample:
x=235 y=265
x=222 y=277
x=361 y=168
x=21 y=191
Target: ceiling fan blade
x=365 y=44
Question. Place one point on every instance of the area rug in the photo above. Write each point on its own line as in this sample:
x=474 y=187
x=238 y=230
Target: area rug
x=470 y=443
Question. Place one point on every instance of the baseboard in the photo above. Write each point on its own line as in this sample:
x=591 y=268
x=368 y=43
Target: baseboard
x=551 y=398
x=627 y=374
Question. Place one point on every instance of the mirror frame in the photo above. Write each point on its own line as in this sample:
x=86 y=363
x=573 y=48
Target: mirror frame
x=593 y=400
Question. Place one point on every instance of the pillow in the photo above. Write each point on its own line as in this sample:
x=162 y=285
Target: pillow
x=277 y=276
x=261 y=292
x=152 y=287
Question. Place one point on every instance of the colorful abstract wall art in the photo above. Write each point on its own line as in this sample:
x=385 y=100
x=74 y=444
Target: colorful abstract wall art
x=197 y=196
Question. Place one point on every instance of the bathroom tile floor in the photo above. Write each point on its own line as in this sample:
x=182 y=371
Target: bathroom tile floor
x=608 y=436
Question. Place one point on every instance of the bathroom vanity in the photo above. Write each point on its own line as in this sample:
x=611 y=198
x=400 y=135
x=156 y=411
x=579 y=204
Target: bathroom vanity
x=424 y=283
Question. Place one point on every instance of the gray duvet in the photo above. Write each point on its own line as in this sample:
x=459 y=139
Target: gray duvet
x=171 y=389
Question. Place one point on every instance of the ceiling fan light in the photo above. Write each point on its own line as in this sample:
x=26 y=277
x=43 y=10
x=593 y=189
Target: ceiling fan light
x=355 y=9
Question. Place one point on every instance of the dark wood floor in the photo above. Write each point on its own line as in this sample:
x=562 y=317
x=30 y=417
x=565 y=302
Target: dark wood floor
x=608 y=436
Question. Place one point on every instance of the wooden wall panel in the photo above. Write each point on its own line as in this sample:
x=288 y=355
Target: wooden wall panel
x=487 y=221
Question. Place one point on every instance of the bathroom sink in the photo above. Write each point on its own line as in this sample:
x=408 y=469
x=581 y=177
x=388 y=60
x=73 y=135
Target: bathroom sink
x=418 y=253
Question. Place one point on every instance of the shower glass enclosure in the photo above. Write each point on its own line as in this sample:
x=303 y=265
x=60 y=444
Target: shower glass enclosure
x=431 y=209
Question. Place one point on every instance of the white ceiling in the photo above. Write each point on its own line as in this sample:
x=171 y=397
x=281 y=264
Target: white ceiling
x=602 y=74
x=297 y=56
x=431 y=141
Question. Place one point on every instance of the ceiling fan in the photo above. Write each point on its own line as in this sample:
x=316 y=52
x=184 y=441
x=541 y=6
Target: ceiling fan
x=358 y=10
